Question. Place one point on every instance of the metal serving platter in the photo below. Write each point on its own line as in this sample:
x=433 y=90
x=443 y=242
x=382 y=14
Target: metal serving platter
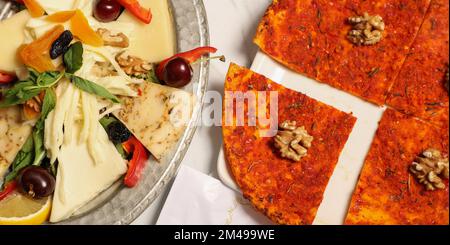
x=119 y=205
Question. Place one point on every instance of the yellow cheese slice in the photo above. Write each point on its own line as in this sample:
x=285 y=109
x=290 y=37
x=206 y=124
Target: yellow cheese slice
x=52 y=6
x=79 y=178
x=156 y=41
x=158 y=117
x=12 y=31
x=13 y=134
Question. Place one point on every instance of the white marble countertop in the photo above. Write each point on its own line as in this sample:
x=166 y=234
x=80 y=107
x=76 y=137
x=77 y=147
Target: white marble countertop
x=232 y=25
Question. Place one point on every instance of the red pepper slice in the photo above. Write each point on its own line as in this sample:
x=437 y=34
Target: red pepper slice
x=6 y=78
x=136 y=9
x=190 y=56
x=9 y=188
x=137 y=162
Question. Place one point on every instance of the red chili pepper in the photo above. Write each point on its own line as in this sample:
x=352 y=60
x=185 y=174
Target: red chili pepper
x=137 y=162
x=190 y=56
x=6 y=78
x=9 y=188
x=136 y=9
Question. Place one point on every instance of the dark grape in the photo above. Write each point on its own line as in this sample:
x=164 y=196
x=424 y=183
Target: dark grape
x=178 y=73
x=36 y=182
x=107 y=10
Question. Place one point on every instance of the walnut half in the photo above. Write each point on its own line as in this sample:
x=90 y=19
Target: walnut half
x=119 y=40
x=132 y=65
x=367 y=30
x=429 y=168
x=292 y=141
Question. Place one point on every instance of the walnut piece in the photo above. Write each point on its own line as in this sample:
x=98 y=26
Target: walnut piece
x=292 y=141
x=367 y=30
x=429 y=168
x=132 y=65
x=32 y=107
x=119 y=40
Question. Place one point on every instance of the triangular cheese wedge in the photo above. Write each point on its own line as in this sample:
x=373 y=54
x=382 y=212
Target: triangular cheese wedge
x=13 y=134
x=158 y=117
x=143 y=43
x=13 y=35
x=80 y=179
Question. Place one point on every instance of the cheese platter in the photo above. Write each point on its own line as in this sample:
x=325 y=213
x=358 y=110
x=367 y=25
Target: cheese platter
x=105 y=114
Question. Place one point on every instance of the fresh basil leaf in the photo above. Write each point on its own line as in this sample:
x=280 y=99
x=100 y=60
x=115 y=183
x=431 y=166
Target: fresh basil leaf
x=18 y=87
x=20 y=97
x=106 y=121
x=39 y=150
x=73 y=58
x=33 y=74
x=153 y=78
x=121 y=151
x=48 y=79
x=93 y=88
x=23 y=159
x=48 y=104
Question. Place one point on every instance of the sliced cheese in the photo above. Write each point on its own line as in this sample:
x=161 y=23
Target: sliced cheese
x=158 y=117
x=52 y=6
x=12 y=37
x=79 y=178
x=156 y=41
x=13 y=134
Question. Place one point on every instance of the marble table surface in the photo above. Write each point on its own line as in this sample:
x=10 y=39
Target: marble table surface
x=232 y=25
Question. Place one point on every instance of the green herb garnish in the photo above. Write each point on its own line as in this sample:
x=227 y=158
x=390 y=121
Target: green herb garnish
x=92 y=88
x=105 y=122
x=33 y=151
x=73 y=58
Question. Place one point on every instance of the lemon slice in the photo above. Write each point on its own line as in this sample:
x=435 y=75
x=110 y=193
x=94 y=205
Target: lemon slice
x=18 y=209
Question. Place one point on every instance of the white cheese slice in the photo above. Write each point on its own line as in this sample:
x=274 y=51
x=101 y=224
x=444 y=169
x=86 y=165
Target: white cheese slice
x=52 y=6
x=158 y=117
x=13 y=134
x=156 y=41
x=79 y=178
x=12 y=31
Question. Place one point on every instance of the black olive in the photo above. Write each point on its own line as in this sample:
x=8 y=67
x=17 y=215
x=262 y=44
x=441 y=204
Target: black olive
x=61 y=44
x=118 y=133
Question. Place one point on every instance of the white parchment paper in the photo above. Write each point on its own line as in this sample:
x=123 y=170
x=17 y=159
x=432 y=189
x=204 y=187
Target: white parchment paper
x=198 y=199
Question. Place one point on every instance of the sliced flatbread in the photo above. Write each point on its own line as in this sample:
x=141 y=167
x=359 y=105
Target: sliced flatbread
x=387 y=194
x=287 y=192
x=13 y=134
x=158 y=117
x=420 y=87
x=310 y=37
